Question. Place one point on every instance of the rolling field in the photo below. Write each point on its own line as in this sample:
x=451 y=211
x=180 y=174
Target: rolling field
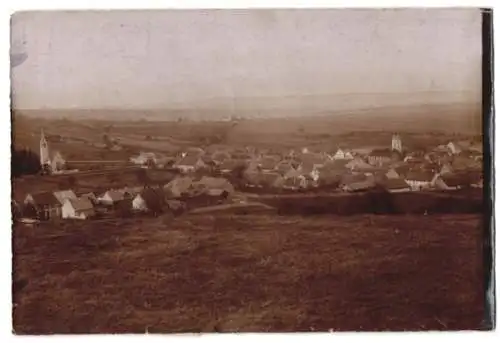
x=324 y=130
x=250 y=273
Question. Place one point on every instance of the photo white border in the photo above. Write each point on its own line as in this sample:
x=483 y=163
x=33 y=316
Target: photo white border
x=10 y=6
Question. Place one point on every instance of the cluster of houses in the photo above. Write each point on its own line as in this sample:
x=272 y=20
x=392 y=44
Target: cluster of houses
x=210 y=175
x=445 y=167
x=66 y=204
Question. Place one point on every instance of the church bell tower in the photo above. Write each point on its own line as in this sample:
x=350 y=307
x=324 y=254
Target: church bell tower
x=44 y=151
x=397 y=145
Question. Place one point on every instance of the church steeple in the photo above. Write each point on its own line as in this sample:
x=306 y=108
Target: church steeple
x=44 y=150
x=397 y=144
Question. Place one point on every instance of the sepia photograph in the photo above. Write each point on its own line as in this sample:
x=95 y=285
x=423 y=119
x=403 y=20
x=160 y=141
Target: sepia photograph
x=251 y=170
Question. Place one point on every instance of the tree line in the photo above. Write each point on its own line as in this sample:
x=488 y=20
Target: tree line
x=24 y=162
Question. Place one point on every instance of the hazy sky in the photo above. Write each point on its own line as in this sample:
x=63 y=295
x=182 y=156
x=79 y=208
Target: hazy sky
x=156 y=59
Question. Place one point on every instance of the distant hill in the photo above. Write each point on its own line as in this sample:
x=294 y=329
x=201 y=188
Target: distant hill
x=267 y=107
x=459 y=117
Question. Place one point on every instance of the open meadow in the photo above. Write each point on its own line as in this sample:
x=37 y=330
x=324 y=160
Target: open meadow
x=206 y=273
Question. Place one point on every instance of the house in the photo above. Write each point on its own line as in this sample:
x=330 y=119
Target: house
x=295 y=183
x=452 y=181
x=190 y=163
x=329 y=178
x=144 y=158
x=267 y=164
x=358 y=184
x=358 y=164
x=347 y=179
x=342 y=154
x=43 y=205
x=207 y=159
x=313 y=159
x=264 y=180
x=91 y=196
x=292 y=173
x=380 y=157
x=229 y=165
x=420 y=180
x=79 y=208
x=178 y=186
x=220 y=156
x=446 y=169
x=396 y=185
x=392 y=174
x=149 y=200
x=310 y=170
x=454 y=148
x=130 y=192
x=111 y=197
x=63 y=195
x=215 y=186
x=58 y=162
x=285 y=167
x=165 y=161
x=402 y=169
x=339 y=165
x=176 y=206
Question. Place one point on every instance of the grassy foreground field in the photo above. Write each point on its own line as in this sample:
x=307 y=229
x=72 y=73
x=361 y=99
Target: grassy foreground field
x=250 y=273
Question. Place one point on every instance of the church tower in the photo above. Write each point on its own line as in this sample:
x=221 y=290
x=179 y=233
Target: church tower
x=44 y=150
x=397 y=145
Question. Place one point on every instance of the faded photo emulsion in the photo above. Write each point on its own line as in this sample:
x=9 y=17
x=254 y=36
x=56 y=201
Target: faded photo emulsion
x=248 y=170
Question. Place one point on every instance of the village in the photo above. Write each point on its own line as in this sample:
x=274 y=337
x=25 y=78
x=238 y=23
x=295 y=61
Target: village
x=213 y=178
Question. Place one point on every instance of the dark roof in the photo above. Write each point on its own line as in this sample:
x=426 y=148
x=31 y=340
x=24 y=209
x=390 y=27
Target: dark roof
x=312 y=158
x=352 y=178
x=207 y=159
x=395 y=184
x=115 y=195
x=381 y=153
x=362 y=185
x=402 y=169
x=453 y=180
x=268 y=163
x=292 y=182
x=335 y=164
x=420 y=176
x=81 y=204
x=307 y=168
x=124 y=204
x=263 y=179
x=45 y=199
x=220 y=156
x=189 y=160
x=230 y=164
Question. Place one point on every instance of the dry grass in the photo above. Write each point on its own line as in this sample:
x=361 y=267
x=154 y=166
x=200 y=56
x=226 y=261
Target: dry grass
x=250 y=273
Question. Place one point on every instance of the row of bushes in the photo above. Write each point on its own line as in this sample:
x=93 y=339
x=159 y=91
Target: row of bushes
x=380 y=203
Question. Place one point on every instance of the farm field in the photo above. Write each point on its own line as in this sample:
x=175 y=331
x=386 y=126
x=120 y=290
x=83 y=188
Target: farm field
x=206 y=273
x=372 y=127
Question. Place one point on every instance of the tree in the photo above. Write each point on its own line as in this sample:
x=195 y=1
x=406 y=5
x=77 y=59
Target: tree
x=25 y=162
x=237 y=175
x=142 y=177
